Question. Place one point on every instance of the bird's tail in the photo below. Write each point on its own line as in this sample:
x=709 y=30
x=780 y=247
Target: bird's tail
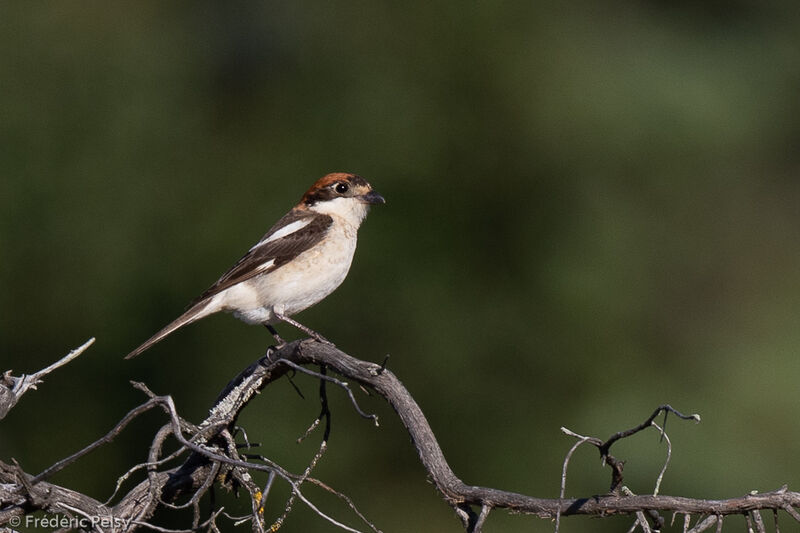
x=196 y=312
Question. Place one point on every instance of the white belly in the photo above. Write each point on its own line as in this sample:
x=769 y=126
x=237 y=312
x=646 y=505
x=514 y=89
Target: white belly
x=293 y=287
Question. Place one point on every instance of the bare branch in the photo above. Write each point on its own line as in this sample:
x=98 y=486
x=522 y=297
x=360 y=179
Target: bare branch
x=583 y=440
x=210 y=454
x=760 y=527
x=336 y=382
x=345 y=499
x=107 y=438
x=666 y=461
x=12 y=388
x=704 y=524
x=789 y=508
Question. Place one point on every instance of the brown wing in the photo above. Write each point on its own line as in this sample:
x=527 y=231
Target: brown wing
x=280 y=251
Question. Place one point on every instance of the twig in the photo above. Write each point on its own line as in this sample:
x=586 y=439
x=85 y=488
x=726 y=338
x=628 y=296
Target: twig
x=642 y=521
x=107 y=438
x=167 y=402
x=152 y=464
x=644 y=425
x=760 y=527
x=704 y=524
x=481 y=519
x=12 y=388
x=345 y=499
x=564 y=465
x=794 y=514
x=339 y=383
x=666 y=461
x=211 y=520
x=208 y=446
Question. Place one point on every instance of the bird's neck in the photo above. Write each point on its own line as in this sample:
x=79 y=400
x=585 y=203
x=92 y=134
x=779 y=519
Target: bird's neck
x=348 y=210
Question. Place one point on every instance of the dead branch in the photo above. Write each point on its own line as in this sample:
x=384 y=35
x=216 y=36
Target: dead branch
x=12 y=388
x=210 y=456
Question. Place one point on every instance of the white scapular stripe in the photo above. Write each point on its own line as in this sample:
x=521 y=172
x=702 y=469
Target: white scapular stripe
x=297 y=225
x=265 y=266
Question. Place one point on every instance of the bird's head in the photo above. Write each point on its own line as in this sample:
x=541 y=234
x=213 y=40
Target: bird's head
x=342 y=194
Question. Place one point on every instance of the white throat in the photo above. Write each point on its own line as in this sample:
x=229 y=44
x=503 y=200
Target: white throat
x=351 y=210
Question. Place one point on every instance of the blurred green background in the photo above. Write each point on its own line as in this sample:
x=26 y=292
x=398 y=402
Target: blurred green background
x=592 y=210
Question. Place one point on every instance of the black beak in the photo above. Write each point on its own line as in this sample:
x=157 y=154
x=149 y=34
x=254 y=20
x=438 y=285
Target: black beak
x=372 y=197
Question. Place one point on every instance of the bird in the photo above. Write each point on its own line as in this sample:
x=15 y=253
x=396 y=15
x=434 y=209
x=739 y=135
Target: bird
x=303 y=258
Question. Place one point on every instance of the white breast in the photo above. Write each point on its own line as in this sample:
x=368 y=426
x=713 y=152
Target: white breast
x=297 y=285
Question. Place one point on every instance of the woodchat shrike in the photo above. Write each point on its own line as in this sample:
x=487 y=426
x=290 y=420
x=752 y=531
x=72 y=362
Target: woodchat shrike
x=303 y=258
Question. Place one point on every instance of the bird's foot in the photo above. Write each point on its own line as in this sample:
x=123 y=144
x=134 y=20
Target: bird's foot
x=319 y=338
x=275 y=336
x=305 y=329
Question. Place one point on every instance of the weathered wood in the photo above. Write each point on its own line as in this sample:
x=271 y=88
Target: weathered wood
x=211 y=453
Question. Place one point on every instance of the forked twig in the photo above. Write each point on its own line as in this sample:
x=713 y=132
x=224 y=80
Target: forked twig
x=13 y=388
x=210 y=447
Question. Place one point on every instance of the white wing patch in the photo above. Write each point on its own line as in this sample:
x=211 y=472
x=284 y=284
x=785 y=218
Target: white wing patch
x=288 y=229
x=265 y=266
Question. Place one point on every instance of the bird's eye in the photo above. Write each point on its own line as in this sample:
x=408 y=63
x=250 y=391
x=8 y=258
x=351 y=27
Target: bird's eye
x=342 y=188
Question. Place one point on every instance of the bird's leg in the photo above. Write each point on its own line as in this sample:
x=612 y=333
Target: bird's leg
x=275 y=335
x=301 y=327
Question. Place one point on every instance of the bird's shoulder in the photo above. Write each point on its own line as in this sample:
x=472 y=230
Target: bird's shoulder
x=295 y=232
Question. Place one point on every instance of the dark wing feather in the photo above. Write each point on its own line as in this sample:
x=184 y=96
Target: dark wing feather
x=280 y=251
